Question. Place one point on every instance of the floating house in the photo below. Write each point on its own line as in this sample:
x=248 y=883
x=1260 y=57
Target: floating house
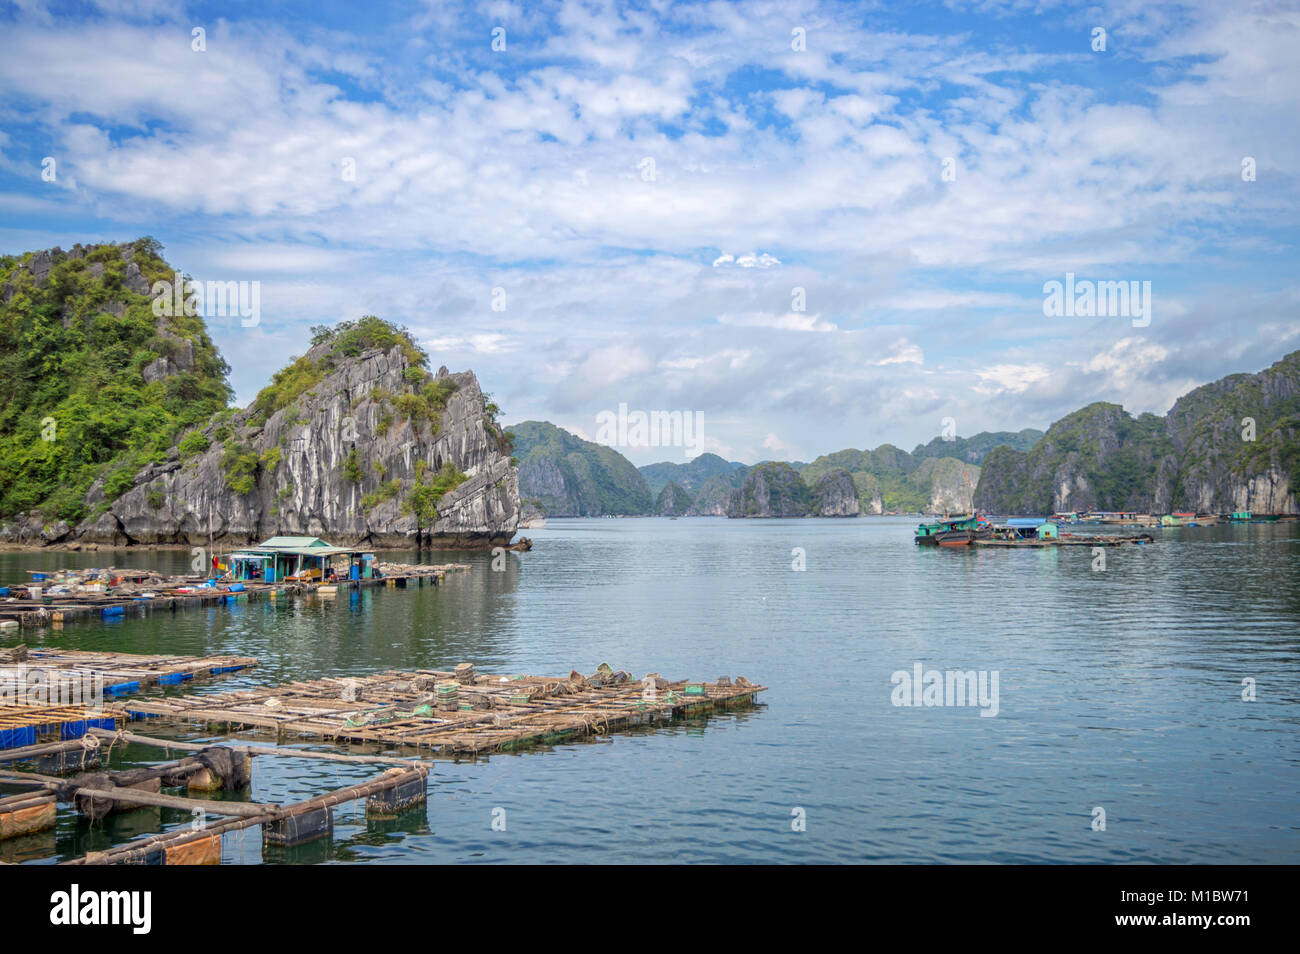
x=1023 y=532
x=300 y=559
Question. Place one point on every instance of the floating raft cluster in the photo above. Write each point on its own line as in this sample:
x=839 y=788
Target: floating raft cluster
x=210 y=768
x=117 y=673
x=442 y=712
x=454 y=713
x=68 y=596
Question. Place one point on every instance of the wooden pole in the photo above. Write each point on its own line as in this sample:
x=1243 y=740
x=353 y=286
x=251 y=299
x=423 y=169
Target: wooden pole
x=256 y=749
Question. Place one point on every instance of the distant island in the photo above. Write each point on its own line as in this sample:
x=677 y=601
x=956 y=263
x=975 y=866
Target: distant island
x=561 y=474
x=1231 y=445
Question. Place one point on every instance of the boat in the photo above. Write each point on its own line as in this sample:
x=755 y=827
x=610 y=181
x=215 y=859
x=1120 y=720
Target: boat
x=952 y=531
x=1241 y=516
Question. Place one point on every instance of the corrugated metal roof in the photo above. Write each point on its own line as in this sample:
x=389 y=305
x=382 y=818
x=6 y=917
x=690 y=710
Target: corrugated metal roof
x=281 y=543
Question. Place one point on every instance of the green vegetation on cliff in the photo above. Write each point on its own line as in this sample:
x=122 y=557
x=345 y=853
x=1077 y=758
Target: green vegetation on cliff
x=889 y=479
x=565 y=476
x=92 y=383
x=974 y=449
x=1201 y=456
x=692 y=474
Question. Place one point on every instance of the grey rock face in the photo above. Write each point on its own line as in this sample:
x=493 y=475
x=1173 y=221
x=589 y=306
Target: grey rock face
x=834 y=495
x=672 y=501
x=772 y=489
x=301 y=485
x=134 y=281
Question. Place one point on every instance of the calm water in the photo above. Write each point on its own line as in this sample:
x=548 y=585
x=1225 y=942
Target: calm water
x=1119 y=689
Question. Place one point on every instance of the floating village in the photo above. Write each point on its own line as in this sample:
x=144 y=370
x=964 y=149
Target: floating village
x=64 y=712
x=976 y=530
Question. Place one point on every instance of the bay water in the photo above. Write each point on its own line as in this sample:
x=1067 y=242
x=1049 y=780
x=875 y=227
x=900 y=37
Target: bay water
x=1119 y=690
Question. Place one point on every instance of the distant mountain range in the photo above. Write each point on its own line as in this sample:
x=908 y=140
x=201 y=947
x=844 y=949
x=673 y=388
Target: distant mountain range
x=563 y=475
x=1197 y=457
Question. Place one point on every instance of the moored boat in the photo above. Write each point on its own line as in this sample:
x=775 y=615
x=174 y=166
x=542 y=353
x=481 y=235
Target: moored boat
x=952 y=531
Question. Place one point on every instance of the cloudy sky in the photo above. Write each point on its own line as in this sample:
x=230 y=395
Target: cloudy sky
x=817 y=225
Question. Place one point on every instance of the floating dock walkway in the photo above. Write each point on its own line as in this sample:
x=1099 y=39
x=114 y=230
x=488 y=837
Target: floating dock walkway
x=56 y=609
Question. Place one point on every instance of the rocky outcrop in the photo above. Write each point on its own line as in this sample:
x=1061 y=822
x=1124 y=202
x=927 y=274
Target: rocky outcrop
x=673 y=501
x=973 y=450
x=338 y=462
x=1227 y=446
x=952 y=484
x=771 y=489
x=693 y=474
x=714 y=497
x=890 y=480
x=834 y=495
x=563 y=475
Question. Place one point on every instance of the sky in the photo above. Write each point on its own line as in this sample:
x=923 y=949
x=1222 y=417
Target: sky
x=811 y=226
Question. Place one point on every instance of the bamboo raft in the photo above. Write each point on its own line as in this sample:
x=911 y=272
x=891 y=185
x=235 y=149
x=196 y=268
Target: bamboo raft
x=120 y=673
x=455 y=713
x=1106 y=539
x=26 y=725
x=208 y=768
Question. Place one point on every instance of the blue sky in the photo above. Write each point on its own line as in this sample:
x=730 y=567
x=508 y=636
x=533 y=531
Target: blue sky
x=526 y=169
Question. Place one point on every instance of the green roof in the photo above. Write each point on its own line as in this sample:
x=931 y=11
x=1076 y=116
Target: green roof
x=295 y=543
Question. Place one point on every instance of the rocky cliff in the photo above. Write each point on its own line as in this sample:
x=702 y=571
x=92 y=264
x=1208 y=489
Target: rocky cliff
x=673 y=501
x=339 y=462
x=360 y=445
x=889 y=479
x=1230 y=445
x=693 y=474
x=771 y=489
x=834 y=495
x=92 y=383
x=561 y=475
x=714 y=496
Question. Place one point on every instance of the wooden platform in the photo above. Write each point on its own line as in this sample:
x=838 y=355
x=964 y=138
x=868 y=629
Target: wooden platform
x=181 y=594
x=491 y=713
x=123 y=673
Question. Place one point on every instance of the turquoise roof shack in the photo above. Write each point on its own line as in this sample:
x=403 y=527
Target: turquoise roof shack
x=300 y=560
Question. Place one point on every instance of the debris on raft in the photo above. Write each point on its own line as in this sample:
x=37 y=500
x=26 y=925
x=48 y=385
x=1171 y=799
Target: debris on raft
x=457 y=712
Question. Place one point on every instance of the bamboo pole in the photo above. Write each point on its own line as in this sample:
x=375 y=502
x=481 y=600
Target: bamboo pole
x=241 y=809
x=108 y=734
